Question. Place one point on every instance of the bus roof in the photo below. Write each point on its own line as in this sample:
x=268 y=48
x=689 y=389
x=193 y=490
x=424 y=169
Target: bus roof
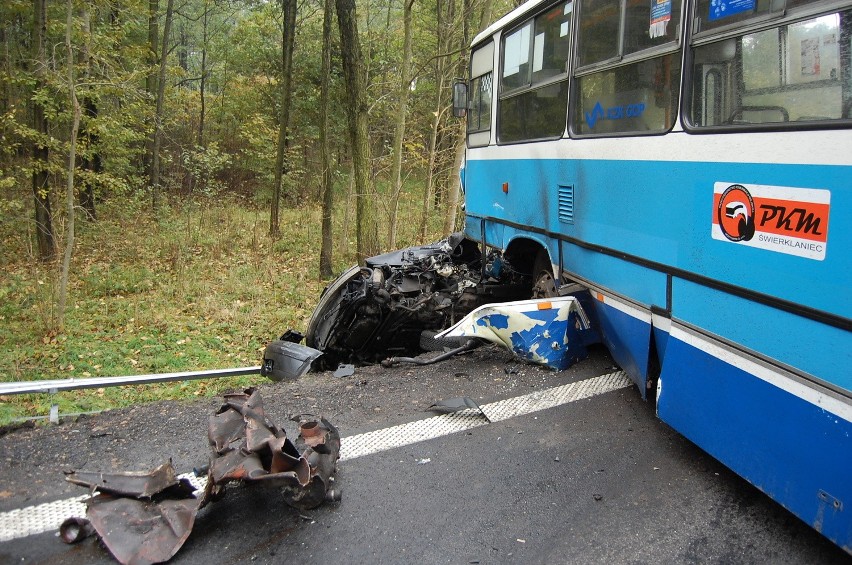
x=527 y=6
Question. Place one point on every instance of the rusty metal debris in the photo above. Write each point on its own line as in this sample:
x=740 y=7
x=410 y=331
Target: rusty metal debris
x=140 y=485
x=140 y=517
x=247 y=447
x=145 y=517
x=75 y=529
x=138 y=532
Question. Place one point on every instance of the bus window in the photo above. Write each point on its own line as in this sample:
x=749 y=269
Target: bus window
x=597 y=38
x=479 y=114
x=534 y=77
x=604 y=37
x=479 y=104
x=789 y=74
x=628 y=72
x=640 y=97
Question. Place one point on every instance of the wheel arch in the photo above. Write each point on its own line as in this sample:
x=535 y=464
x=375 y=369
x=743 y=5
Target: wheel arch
x=522 y=253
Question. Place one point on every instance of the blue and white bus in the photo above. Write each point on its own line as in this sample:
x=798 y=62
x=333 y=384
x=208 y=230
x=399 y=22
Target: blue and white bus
x=690 y=165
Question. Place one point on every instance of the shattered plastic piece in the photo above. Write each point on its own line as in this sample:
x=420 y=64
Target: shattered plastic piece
x=455 y=404
x=286 y=360
x=344 y=370
x=547 y=331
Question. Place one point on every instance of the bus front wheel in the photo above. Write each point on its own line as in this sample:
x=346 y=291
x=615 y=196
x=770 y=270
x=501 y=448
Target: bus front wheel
x=544 y=285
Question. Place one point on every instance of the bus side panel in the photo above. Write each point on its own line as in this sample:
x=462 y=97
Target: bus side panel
x=626 y=332
x=794 y=450
x=642 y=285
x=814 y=348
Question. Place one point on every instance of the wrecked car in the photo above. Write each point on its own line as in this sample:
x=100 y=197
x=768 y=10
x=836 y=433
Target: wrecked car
x=389 y=306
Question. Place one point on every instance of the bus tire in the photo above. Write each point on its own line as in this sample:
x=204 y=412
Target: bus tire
x=544 y=285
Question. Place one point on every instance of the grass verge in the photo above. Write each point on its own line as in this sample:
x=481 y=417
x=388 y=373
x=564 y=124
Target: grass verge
x=203 y=287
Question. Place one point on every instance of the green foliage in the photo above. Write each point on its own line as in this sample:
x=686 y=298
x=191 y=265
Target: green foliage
x=202 y=165
x=202 y=288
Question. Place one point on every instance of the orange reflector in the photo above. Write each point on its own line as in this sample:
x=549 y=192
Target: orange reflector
x=600 y=297
x=545 y=305
x=506 y=187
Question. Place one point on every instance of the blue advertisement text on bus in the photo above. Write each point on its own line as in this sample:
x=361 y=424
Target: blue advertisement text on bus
x=614 y=112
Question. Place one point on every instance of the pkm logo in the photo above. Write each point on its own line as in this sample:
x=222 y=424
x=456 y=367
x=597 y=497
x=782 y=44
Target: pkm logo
x=782 y=219
x=735 y=213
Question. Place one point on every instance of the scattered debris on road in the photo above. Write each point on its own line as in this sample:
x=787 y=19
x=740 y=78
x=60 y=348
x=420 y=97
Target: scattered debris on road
x=285 y=359
x=344 y=370
x=456 y=404
x=139 y=517
x=145 y=517
x=247 y=447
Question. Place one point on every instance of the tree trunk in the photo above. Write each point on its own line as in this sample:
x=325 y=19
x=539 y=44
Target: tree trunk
x=158 y=115
x=326 y=249
x=203 y=82
x=455 y=185
x=69 y=186
x=183 y=52
x=91 y=160
x=367 y=235
x=454 y=189
x=153 y=46
x=399 y=129
x=441 y=65
x=41 y=190
x=485 y=18
x=288 y=7
x=429 y=192
x=151 y=78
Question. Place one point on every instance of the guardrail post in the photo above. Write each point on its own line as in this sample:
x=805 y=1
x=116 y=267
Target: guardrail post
x=54 y=407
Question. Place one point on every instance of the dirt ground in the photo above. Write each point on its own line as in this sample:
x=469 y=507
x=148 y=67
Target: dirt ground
x=33 y=460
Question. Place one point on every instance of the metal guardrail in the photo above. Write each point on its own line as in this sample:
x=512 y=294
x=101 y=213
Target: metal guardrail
x=55 y=386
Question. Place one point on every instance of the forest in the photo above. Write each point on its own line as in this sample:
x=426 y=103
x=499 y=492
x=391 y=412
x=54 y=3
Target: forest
x=180 y=177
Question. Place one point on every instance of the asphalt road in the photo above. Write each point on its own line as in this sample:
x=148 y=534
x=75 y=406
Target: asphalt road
x=598 y=480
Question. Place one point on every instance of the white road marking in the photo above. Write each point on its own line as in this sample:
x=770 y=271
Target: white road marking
x=33 y=520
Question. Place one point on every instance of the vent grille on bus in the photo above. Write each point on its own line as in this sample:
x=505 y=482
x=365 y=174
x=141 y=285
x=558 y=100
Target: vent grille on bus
x=566 y=203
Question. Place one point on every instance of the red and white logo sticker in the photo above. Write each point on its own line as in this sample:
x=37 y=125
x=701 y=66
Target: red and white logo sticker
x=776 y=218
